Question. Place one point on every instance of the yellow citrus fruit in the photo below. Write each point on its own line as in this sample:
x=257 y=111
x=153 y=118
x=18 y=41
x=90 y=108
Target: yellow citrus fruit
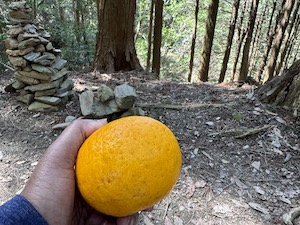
x=128 y=165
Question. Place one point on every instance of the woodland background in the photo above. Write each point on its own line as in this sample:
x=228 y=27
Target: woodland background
x=259 y=29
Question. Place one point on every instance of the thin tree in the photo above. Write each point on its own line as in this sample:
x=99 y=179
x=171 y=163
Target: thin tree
x=115 y=49
x=150 y=36
x=294 y=24
x=291 y=44
x=193 y=42
x=278 y=40
x=245 y=59
x=270 y=37
x=234 y=16
x=241 y=35
x=208 y=40
x=158 y=23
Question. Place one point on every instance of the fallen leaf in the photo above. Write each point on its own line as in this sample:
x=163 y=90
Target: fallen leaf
x=256 y=165
x=258 y=207
x=210 y=123
x=285 y=200
x=280 y=120
x=259 y=190
x=207 y=155
x=200 y=184
x=222 y=209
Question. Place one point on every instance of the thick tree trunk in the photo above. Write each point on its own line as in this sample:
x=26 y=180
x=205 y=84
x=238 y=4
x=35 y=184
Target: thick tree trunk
x=234 y=15
x=270 y=38
x=158 y=23
x=283 y=90
x=208 y=40
x=294 y=24
x=193 y=42
x=150 y=36
x=245 y=59
x=278 y=40
x=115 y=49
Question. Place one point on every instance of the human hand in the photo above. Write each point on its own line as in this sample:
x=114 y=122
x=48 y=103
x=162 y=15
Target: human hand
x=52 y=190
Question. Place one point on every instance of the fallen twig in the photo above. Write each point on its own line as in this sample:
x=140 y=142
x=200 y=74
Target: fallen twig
x=254 y=130
x=288 y=217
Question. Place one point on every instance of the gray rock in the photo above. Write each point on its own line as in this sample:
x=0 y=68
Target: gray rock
x=104 y=93
x=59 y=64
x=49 y=46
x=27 y=98
x=26 y=80
x=41 y=107
x=125 y=96
x=60 y=74
x=46 y=59
x=86 y=100
x=48 y=100
x=70 y=118
x=30 y=28
x=40 y=48
x=28 y=43
x=43 y=86
x=11 y=43
x=65 y=86
x=36 y=75
x=43 y=40
x=17 y=61
x=14 y=31
x=18 y=85
x=42 y=69
x=65 y=94
x=32 y=56
x=49 y=92
x=19 y=52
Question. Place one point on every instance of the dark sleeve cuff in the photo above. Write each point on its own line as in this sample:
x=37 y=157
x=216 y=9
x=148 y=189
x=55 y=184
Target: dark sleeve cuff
x=19 y=211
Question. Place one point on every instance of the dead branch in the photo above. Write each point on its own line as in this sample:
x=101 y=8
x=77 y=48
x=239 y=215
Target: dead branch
x=288 y=217
x=254 y=130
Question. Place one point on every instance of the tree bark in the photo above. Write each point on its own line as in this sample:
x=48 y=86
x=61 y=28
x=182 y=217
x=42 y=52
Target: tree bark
x=245 y=59
x=278 y=40
x=270 y=38
x=241 y=35
x=283 y=90
x=193 y=42
x=150 y=36
x=158 y=23
x=208 y=40
x=115 y=49
x=294 y=24
x=234 y=15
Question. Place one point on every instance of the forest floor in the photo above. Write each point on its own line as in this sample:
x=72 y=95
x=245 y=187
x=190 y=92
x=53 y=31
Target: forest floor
x=240 y=157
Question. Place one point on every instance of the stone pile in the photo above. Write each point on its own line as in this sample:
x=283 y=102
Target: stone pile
x=104 y=102
x=41 y=78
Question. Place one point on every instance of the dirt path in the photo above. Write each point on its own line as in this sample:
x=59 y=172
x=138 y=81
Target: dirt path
x=227 y=178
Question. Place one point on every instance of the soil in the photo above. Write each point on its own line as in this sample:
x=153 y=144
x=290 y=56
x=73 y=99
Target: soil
x=240 y=157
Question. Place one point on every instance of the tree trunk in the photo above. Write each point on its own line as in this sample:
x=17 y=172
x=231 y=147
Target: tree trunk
x=208 y=40
x=115 y=49
x=295 y=22
x=234 y=15
x=241 y=35
x=150 y=36
x=158 y=23
x=245 y=59
x=270 y=38
x=283 y=90
x=193 y=42
x=278 y=40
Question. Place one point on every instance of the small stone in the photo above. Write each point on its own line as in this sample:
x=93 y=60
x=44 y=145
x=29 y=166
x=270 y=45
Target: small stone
x=49 y=46
x=41 y=107
x=104 y=93
x=27 y=99
x=43 y=86
x=28 y=43
x=15 y=31
x=42 y=69
x=86 y=100
x=19 y=52
x=36 y=75
x=59 y=64
x=210 y=123
x=30 y=28
x=48 y=100
x=125 y=96
x=48 y=92
x=40 y=48
x=32 y=56
x=70 y=118
x=60 y=74
x=11 y=43
x=17 y=61
x=26 y=80
x=18 y=85
x=65 y=86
